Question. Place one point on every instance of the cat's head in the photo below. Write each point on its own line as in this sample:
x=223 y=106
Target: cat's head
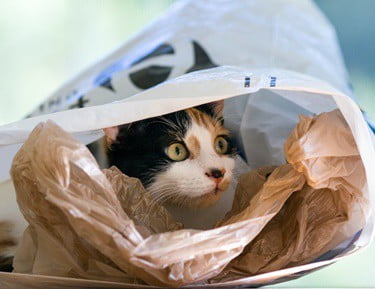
x=185 y=158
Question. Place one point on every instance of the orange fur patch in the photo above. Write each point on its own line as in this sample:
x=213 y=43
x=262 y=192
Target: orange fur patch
x=212 y=124
x=194 y=146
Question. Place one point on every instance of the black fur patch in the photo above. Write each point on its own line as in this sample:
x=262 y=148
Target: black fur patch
x=139 y=150
x=6 y=264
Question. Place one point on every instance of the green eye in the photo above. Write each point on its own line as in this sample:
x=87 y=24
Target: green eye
x=221 y=145
x=177 y=152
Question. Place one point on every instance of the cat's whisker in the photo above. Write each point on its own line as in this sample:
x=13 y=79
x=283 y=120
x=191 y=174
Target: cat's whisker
x=158 y=191
x=142 y=150
x=160 y=199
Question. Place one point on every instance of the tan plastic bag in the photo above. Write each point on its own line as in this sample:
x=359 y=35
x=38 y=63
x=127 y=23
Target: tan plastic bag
x=325 y=212
x=103 y=225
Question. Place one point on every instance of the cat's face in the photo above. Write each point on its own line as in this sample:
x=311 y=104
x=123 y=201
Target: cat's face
x=185 y=158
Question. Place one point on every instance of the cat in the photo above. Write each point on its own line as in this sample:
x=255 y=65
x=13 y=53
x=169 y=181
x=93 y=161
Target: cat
x=185 y=158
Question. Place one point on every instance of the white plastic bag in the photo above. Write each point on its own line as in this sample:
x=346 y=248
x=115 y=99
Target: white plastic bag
x=270 y=60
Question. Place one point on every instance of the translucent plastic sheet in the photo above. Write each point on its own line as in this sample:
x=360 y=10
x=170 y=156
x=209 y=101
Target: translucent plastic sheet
x=96 y=224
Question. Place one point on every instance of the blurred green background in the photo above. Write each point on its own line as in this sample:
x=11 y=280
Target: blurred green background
x=44 y=43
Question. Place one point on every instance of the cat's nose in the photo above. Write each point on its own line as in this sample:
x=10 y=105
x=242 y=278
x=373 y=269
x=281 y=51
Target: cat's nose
x=216 y=174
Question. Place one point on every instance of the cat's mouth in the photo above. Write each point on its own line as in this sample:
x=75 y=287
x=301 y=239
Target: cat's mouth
x=205 y=199
x=211 y=197
x=216 y=191
x=222 y=186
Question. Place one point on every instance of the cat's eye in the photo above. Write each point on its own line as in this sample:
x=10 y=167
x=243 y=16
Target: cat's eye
x=221 y=145
x=177 y=152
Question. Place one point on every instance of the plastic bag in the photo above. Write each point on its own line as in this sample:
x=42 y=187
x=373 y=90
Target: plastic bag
x=266 y=60
x=91 y=224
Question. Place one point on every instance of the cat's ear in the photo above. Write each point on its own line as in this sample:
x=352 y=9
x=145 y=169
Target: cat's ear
x=213 y=108
x=111 y=134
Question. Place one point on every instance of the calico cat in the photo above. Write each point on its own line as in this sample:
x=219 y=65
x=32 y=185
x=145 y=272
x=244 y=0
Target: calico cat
x=185 y=158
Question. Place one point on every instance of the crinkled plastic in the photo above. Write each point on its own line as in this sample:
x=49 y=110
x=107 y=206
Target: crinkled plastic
x=327 y=208
x=95 y=224
x=270 y=61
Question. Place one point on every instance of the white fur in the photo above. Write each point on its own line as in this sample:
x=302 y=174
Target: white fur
x=206 y=218
x=188 y=178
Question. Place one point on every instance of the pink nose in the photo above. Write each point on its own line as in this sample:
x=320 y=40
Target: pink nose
x=215 y=174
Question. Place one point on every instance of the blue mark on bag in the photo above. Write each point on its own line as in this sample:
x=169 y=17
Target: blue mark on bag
x=247 y=81
x=273 y=81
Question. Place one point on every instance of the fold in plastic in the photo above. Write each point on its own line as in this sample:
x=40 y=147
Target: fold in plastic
x=103 y=225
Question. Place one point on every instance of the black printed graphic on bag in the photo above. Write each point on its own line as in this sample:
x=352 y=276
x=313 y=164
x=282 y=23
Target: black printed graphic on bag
x=128 y=76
